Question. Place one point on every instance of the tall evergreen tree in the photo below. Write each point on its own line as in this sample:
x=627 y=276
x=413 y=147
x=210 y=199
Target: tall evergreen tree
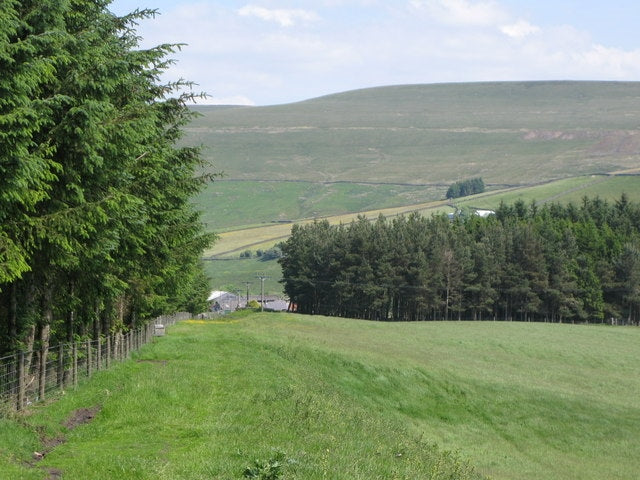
x=96 y=226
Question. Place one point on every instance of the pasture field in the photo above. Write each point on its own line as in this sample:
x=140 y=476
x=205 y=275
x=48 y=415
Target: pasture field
x=570 y=190
x=347 y=399
x=230 y=205
x=504 y=132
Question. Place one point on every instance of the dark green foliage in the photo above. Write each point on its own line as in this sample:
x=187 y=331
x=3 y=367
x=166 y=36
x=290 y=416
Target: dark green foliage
x=465 y=188
x=270 y=254
x=552 y=263
x=96 y=226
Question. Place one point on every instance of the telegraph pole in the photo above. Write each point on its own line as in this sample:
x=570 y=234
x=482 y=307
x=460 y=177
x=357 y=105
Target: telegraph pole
x=262 y=279
x=247 y=284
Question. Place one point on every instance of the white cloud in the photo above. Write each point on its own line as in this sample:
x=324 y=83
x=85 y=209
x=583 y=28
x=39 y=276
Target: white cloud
x=520 y=29
x=617 y=64
x=362 y=43
x=285 y=17
x=463 y=12
x=231 y=100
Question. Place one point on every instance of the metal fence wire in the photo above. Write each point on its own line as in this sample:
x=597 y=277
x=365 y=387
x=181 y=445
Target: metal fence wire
x=29 y=376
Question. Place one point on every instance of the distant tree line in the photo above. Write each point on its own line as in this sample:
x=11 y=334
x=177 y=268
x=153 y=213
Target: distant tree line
x=465 y=188
x=553 y=263
x=97 y=232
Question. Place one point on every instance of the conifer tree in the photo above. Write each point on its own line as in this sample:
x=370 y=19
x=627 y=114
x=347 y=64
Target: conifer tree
x=96 y=226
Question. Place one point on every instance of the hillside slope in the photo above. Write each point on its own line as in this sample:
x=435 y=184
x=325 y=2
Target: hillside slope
x=505 y=132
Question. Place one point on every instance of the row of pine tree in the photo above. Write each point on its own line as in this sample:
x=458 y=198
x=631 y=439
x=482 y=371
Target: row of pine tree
x=552 y=263
x=97 y=233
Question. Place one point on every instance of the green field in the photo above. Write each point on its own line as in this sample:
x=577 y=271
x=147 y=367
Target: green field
x=231 y=275
x=572 y=190
x=345 y=399
x=228 y=205
x=505 y=132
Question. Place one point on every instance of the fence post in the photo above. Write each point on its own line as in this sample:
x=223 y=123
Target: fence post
x=60 y=374
x=89 y=359
x=42 y=373
x=99 y=354
x=75 y=364
x=108 y=350
x=20 y=380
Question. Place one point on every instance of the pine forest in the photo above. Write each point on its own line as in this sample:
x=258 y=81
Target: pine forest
x=552 y=263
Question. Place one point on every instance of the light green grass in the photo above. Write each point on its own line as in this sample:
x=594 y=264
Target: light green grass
x=353 y=399
x=572 y=190
x=231 y=275
x=228 y=204
x=521 y=400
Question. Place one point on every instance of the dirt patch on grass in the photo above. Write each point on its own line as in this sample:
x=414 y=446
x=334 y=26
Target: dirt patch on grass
x=53 y=474
x=80 y=417
x=49 y=443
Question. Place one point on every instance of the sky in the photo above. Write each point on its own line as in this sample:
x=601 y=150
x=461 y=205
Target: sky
x=267 y=52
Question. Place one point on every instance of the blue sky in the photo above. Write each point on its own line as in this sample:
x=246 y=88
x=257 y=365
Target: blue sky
x=265 y=52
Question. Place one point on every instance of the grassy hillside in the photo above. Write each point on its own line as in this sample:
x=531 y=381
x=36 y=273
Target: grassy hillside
x=335 y=398
x=399 y=145
x=388 y=147
x=422 y=134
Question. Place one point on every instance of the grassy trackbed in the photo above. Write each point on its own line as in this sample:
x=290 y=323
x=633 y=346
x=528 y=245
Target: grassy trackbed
x=345 y=399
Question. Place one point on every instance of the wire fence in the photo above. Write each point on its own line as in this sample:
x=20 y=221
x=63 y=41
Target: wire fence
x=29 y=376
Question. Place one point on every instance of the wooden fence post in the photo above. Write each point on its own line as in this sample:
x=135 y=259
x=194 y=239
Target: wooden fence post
x=60 y=373
x=42 y=373
x=108 y=350
x=88 y=345
x=20 y=380
x=75 y=364
x=99 y=354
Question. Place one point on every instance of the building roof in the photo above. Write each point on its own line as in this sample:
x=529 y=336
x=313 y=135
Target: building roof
x=215 y=294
